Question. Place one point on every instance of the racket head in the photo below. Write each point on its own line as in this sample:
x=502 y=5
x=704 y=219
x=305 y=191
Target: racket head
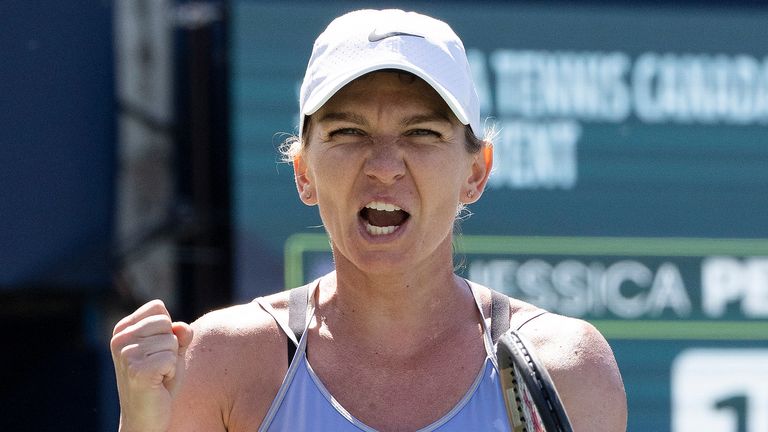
x=532 y=401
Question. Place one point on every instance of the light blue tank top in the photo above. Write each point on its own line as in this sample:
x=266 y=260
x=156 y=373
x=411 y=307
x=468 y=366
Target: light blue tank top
x=304 y=404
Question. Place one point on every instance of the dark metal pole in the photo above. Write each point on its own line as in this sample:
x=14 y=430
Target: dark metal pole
x=205 y=269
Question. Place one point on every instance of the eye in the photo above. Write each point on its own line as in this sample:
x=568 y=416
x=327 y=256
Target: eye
x=346 y=131
x=423 y=132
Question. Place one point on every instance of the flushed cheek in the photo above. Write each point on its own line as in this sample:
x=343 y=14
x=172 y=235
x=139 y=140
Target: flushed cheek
x=337 y=165
x=331 y=168
x=446 y=181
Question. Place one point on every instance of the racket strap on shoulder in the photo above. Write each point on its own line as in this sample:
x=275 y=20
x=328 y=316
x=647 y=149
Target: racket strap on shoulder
x=499 y=315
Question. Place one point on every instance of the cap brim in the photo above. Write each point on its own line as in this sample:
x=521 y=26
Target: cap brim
x=321 y=96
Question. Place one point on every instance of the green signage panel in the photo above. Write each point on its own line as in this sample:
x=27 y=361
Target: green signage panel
x=630 y=184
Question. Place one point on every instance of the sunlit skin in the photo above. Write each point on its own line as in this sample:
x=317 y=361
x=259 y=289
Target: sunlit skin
x=396 y=335
x=389 y=137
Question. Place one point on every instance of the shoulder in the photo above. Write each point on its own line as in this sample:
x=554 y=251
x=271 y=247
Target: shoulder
x=237 y=358
x=584 y=369
x=228 y=335
x=231 y=329
x=580 y=362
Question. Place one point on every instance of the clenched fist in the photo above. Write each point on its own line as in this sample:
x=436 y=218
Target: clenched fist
x=148 y=351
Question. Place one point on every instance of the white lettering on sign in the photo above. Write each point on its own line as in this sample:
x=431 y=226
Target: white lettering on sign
x=541 y=84
x=665 y=290
x=628 y=289
x=536 y=155
x=727 y=281
x=537 y=99
x=668 y=291
x=700 y=88
x=723 y=390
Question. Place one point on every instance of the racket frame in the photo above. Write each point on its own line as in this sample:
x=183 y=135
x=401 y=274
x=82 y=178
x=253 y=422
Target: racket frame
x=519 y=365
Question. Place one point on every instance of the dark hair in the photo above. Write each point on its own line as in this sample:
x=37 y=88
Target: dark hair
x=471 y=142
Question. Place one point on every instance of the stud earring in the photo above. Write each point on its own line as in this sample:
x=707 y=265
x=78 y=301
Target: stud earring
x=307 y=194
x=470 y=194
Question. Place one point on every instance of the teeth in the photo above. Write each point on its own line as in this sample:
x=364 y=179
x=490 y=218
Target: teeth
x=376 y=230
x=378 y=205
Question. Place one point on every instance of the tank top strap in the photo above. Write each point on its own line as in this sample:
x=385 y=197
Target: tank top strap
x=501 y=319
x=299 y=344
x=487 y=340
x=302 y=400
x=300 y=308
x=278 y=320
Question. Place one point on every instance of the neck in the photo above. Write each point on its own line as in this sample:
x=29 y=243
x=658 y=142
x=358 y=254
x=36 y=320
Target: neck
x=397 y=310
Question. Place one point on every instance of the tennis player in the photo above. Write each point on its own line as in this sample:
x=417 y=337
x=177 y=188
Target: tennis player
x=389 y=149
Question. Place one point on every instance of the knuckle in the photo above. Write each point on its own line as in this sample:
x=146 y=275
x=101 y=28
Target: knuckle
x=156 y=302
x=121 y=343
x=162 y=318
x=153 y=307
x=128 y=354
x=150 y=325
x=157 y=306
x=119 y=326
x=115 y=344
x=155 y=320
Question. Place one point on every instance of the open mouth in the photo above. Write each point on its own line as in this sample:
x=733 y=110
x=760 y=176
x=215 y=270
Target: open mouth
x=382 y=218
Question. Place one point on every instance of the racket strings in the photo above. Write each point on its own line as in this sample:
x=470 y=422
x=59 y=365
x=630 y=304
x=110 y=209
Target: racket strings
x=533 y=368
x=518 y=398
x=532 y=401
x=524 y=416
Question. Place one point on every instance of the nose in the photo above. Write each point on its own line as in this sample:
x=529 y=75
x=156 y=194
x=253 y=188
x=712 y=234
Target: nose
x=385 y=161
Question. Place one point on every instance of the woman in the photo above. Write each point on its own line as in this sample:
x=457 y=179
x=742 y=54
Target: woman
x=393 y=339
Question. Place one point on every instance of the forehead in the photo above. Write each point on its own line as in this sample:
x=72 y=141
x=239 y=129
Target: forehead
x=397 y=87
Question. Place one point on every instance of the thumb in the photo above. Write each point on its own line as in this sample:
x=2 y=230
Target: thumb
x=184 y=334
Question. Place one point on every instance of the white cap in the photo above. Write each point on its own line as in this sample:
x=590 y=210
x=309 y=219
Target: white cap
x=368 y=40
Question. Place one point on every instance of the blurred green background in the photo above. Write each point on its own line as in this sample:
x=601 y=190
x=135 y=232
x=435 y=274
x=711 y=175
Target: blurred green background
x=631 y=174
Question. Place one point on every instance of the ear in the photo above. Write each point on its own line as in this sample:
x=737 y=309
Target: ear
x=482 y=163
x=304 y=185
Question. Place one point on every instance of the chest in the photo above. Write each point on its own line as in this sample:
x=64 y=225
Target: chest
x=399 y=393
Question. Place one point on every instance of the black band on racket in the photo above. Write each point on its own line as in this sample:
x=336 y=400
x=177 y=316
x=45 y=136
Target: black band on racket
x=499 y=315
x=298 y=299
x=518 y=362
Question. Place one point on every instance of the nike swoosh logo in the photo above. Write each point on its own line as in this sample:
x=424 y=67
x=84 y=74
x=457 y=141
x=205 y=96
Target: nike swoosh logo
x=375 y=36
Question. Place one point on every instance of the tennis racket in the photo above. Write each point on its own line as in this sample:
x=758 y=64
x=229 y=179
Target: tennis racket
x=532 y=401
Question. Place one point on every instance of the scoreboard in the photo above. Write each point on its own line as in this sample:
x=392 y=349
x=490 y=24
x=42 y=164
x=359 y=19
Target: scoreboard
x=630 y=185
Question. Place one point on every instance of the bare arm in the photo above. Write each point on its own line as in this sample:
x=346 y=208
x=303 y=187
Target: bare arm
x=201 y=402
x=233 y=369
x=584 y=370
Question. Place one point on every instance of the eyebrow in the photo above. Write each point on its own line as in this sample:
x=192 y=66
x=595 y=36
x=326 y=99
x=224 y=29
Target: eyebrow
x=343 y=116
x=426 y=118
